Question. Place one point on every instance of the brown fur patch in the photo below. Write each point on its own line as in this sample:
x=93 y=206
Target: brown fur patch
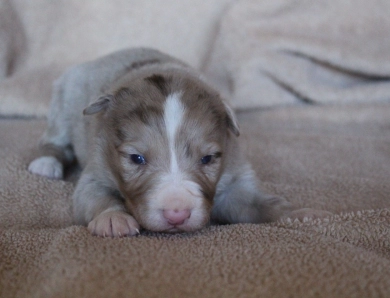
x=160 y=82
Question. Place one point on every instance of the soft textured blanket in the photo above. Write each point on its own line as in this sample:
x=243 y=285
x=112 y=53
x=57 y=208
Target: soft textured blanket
x=320 y=157
x=40 y=38
x=333 y=158
x=303 y=51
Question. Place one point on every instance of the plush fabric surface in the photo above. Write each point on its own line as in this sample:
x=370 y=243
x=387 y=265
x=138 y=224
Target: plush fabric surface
x=40 y=38
x=333 y=158
x=303 y=51
x=327 y=158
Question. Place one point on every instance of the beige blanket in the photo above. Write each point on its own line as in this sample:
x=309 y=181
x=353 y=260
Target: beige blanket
x=282 y=52
x=325 y=158
x=333 y=158
x=40 y=38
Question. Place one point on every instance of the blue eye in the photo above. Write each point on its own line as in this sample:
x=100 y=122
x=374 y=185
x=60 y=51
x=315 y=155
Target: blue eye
x=206 y=159
x=138 y=159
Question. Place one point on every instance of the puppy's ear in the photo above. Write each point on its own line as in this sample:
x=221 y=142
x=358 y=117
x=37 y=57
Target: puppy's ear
x=231 y=119
x=100 y=105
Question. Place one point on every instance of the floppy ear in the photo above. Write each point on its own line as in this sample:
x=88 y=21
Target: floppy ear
x=101 y=104
x=231 y=119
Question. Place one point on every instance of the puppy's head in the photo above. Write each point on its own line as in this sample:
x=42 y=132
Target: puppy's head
x=163 y=138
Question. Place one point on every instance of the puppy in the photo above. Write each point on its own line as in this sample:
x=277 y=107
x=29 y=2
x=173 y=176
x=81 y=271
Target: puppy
x=158 y=147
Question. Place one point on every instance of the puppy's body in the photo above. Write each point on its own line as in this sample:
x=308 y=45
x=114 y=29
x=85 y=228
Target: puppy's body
x=159 y=149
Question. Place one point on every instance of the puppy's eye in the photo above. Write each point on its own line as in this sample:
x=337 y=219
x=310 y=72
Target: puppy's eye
x=210 y=158
x=206 y=159
x=138 y=159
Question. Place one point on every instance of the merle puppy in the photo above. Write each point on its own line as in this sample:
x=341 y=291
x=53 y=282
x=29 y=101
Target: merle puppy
x=158 y=146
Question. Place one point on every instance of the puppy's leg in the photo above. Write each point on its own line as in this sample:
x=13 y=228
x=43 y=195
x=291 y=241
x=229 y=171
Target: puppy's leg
x=102 y=209
x=240 y=200
x=55 y=150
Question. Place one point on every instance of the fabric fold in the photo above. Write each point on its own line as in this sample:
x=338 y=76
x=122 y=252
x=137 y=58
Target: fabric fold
x=272 y=53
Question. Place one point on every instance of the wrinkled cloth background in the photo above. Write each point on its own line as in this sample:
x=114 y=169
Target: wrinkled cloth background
x=310 y=80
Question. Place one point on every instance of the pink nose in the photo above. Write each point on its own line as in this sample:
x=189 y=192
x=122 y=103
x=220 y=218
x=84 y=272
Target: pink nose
x=176 y=217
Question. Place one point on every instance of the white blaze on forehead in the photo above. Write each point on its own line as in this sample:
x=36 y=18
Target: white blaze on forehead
x=173 y=190
x=173 y=116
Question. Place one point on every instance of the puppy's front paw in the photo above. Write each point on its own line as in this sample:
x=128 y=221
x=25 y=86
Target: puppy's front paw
x=114 y=224
x=47 y=166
